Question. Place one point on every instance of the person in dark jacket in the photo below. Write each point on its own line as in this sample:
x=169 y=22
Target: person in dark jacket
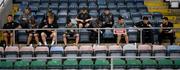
x=8 y=35
x=106 y=18
x=166 y=32
x=48 y=33
x=146 y=33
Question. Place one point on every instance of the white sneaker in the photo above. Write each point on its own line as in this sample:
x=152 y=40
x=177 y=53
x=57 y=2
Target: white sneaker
x=30 y=45
x=39 y=43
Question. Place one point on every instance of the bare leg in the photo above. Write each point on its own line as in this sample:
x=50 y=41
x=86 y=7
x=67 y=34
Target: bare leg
x=65 y=39
x=53 y=36
x=126 y=38
x=77 y=39
x=36 y=38
x=11 y=39
x=29 y=38
x=80 y=25
x=43 y=36
x=118 y=39
x=5 y=36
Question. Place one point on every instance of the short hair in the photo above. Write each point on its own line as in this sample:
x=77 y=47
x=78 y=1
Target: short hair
x=145 y=18
x=10 y=15
x=165 y=18
x=84 y=8
x=106 y=9
x=120 y=17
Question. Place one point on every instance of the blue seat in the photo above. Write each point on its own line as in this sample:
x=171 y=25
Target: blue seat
x=63 y=6
x=63 y=1
x=148 y=14
x=120 y=1
x=61 y=21
x=129 y=23
x=122 y=9
x=132 y=34
x=101 y=2
x=34 y=1
x=102 y=7
x=93 y=13
x=126 y=15
x=60 y=35
x=142 y=8
x=72 y=13
x=130 y=1
x=43 y=7
x=62 y=13
x=112 y=6
x=73 y=1
x=173 y=50
x=108 y=34
x=34 y=8
x=21 y=36
x=84 y=35
x=136 y=17
x=73 y=6
x=115 y=13
x=44 y=1
x=92 y=6
x=54 y=1
x=82 y=5
x=54 y=7
x=120 y=4
x=56 y=51
x=157 y=15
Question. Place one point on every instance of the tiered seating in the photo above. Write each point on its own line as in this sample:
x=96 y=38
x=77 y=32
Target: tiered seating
x=89 y=51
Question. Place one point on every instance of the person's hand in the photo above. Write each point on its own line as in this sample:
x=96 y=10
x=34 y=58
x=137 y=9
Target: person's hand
x=45 y=26
x=170 y=31
x=87 y=25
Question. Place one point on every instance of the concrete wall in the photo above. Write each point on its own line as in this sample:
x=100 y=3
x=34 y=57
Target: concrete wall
x=5 y=9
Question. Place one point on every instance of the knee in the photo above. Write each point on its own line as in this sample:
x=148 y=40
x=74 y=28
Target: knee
x=43 y=34
x=35 y=35
x=64 y=35
x=80 y=25
x=30 y=35
x=77 y=35
x=5 y=34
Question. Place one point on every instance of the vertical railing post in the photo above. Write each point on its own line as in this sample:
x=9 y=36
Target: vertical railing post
x=14 y=41
x=112 y=63
x=56 y=35
x=99 y=30
x=141 y=35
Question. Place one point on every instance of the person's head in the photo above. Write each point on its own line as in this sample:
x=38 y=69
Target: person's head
x=50 y=19
x=145 y=19
x=120 y=20
x=84 y=10
x=10 y=18
x=69 y=24
x=165 y=19
x=27 y=10
x=106 y=11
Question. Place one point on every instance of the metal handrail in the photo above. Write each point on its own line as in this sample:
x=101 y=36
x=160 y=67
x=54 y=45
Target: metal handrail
x=2 y=3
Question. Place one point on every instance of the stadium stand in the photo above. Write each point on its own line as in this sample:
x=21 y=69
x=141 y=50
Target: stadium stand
x=88 y=55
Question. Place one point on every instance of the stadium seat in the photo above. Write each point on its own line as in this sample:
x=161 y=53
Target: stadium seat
x=56 y=51
x=93 y=13
x=177 y=63
x=144 y=50
x=136 y=17
x=82 y=5
x=43 y=6
x=26 y=52
x=38 y=64
x=100 y=50
x=73 y=6
x=63 y=6
x=86 y=64
x=130 y=50
x=149 y=63
x=60 y=35
x=22 y=36
x=92 y=6
x=70 y=64
x=84 y=35
x=133 y=63
x=6 y=64
x=72 y=13
x=54 y=64
x=86 y=50
x=42 y=51
x=165 y=63
x=101 y=64
x=157 y=15
x=21 y=64
x=132 y=34
x=159 y=50
x=108 y=34
x=1 y=51
x=11 y=52
x=119 y=63
x=129 y=23
x=62 y=13
x=126 y=15
x=115 y=50
x=61 y=21
x=173 y=50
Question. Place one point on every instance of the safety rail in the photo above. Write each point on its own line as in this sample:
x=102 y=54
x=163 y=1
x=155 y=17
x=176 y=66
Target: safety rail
x=1 y=2
x=176 y=29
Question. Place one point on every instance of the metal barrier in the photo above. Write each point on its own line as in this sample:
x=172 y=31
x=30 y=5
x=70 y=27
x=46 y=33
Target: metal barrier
x=99 y=30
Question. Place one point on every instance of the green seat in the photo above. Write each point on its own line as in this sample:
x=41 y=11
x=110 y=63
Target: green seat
x=119 y=63
x=53 y=64
x=6 y=64
x=21 y=64
x=70 y=64
x=165 y=63
x=38 y=64
x=149 y=63
x=177 y=63
x=133 y=63
x=86 y=64
x=101 y=64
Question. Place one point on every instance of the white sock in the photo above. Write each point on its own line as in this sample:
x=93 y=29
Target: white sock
x=39 y=43
x=52 y=42
x=45 y=43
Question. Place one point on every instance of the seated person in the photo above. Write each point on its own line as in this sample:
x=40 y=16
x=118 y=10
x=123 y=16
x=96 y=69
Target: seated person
x=83 y=18
x=147 y=35
x=106 y=18
x=166 y=32
x=44 y=20
x=25 y=18
x=32 y=33
x=71 y=33
x=48 y=33
x=8 y=35
x=121 y=32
